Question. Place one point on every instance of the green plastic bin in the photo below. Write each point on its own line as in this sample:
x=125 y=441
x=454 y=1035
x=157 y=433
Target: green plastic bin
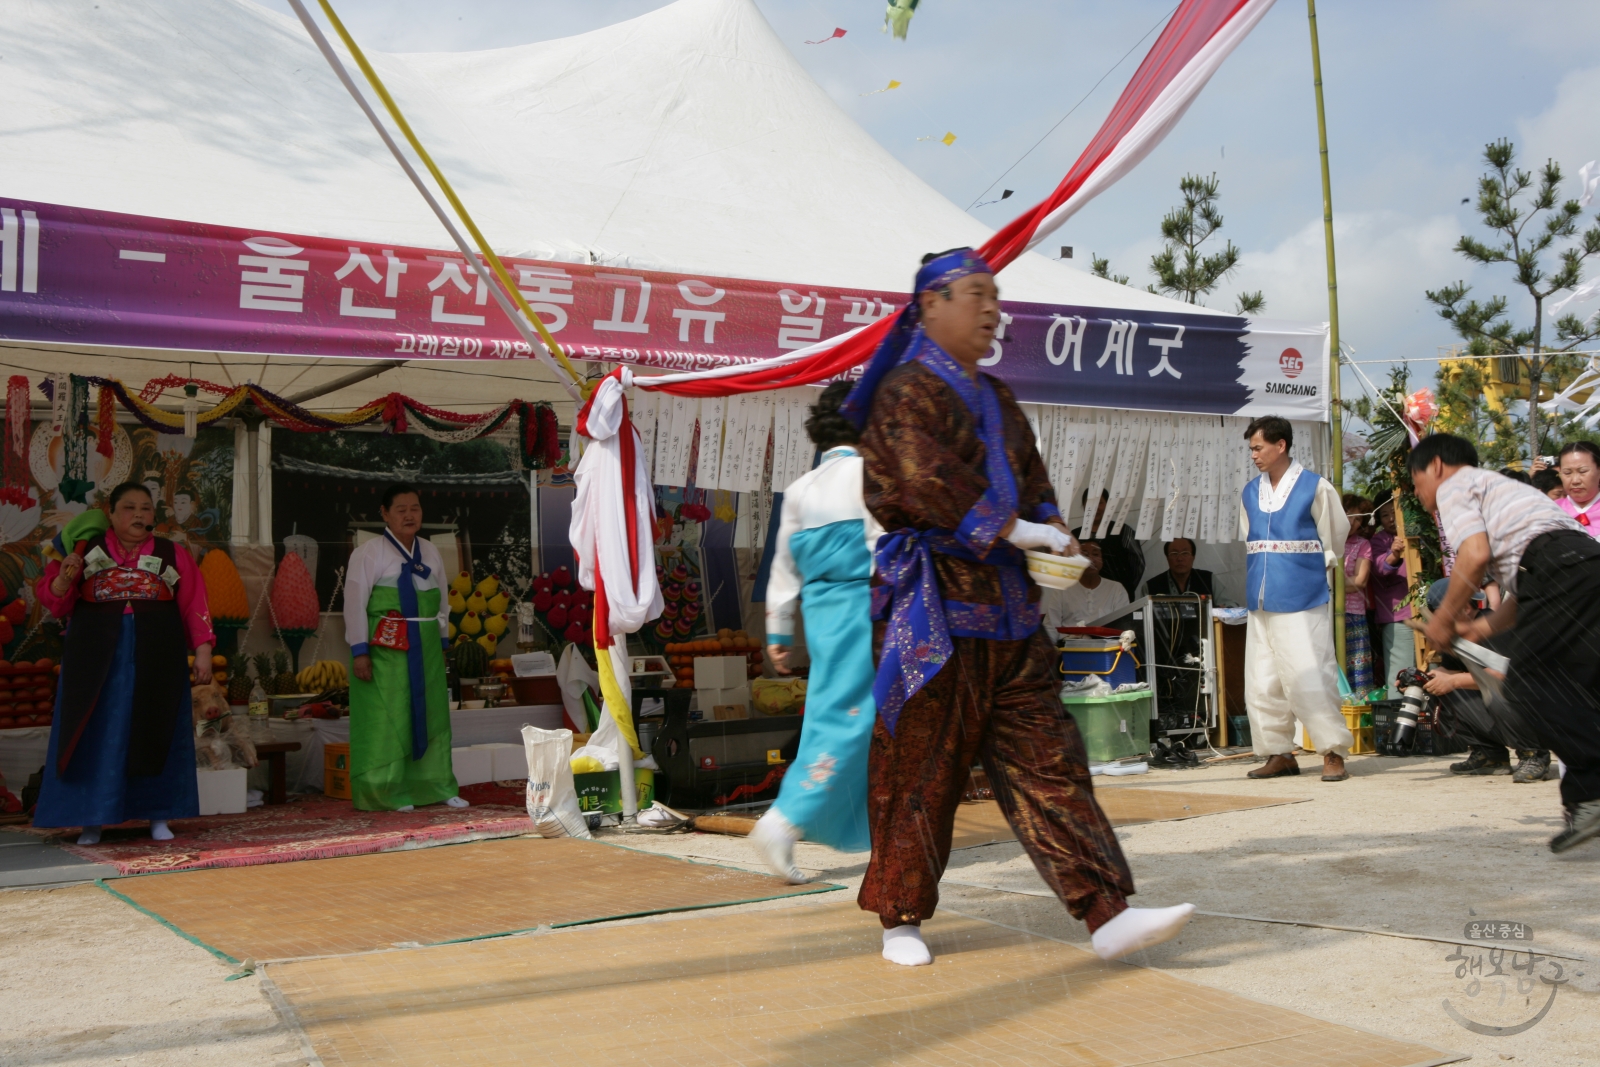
x=1113 y=727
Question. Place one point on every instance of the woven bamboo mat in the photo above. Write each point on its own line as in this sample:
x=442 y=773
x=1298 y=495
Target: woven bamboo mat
x=433 y=895
x=790 y=987
x=981 y=823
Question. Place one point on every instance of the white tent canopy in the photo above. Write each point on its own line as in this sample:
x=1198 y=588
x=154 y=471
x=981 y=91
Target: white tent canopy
x=687 y=139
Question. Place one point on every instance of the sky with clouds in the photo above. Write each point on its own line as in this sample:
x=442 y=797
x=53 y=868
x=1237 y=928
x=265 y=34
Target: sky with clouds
x=1414 y=90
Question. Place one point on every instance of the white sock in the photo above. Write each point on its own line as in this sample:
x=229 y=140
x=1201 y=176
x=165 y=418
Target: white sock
x=457 y=802
x=1137 y=928
x=904 y=945
x=774 y=837
x=406 y=807
x=90 y=836
x=159 y=830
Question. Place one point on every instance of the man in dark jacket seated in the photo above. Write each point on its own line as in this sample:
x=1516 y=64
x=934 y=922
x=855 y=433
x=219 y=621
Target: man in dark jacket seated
x=1180 y=575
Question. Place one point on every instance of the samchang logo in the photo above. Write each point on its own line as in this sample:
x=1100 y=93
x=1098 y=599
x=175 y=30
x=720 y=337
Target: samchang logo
x=1291 y=363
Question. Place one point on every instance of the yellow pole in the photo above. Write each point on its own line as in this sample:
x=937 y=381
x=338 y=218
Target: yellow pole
x=489 y=255
x=1335 y=424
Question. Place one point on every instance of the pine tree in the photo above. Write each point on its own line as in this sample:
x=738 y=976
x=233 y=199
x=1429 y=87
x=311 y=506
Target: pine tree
x=1101 y=268
x=1463 y=411
x=1181 y=271
x=1486 y=327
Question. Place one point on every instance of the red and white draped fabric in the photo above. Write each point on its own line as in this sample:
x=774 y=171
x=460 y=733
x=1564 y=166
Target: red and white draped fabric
x=611 y=516
x=612 y=535
x=1198 y=37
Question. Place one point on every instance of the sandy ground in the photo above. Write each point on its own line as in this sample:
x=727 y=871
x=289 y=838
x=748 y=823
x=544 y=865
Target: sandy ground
x=1402 y=847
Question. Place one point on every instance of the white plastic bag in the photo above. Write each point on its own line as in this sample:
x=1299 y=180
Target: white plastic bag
x=552 y=798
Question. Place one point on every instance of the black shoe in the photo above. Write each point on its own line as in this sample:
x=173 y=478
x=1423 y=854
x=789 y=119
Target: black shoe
x=1583 y=824
x=1483 y=760
x=1533 y=767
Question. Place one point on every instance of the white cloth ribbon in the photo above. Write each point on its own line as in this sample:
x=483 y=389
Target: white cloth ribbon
x=599 y=529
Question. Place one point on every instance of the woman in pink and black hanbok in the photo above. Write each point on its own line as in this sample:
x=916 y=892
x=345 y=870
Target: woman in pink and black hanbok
x=122 y=741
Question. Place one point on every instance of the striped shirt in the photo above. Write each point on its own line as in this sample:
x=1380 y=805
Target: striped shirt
x=1476 y=501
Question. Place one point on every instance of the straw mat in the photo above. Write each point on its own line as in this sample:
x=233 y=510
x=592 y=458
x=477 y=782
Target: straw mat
x=433 y=895
x=794 y=986
x=981 y=823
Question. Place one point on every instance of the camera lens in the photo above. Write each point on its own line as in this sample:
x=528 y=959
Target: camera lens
x=1412 y=702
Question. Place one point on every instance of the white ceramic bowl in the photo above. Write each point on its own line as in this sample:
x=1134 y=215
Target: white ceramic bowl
x=472 y=705
x=1053 y=571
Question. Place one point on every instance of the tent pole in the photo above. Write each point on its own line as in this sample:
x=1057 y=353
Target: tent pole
x=345 y=380
x=1335 y=424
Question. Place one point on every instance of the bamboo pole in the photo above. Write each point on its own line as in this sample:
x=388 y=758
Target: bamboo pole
x=1335 y=424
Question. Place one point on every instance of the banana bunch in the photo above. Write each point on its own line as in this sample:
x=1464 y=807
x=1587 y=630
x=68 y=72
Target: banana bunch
x=322 y=676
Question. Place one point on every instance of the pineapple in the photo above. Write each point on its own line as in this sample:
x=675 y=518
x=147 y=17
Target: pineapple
x=283 y=681
x=239 y=681
x=263 y=665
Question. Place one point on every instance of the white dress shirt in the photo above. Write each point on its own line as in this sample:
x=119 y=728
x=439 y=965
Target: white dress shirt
x=1080 y=605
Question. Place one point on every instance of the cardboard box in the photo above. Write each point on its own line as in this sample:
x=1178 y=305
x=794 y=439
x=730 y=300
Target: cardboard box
x=707 y=700
x=473 y=765
x=720 y=672
x=508 y=762
x=222 y=792
x=602 y=790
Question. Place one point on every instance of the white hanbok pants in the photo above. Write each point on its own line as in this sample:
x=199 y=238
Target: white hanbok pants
x=1289 y=674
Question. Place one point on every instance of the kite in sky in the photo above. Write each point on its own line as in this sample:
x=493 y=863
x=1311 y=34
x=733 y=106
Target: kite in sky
x=947 y=140
x=835 y=35
x=898 y=16
x=892 y=85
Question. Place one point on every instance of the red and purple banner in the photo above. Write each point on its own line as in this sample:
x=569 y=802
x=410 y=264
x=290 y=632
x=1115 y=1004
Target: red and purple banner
x=81 y=277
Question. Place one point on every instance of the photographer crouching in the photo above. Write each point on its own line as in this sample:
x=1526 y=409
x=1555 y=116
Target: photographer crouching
x=1488 y=726
x=1548 y=570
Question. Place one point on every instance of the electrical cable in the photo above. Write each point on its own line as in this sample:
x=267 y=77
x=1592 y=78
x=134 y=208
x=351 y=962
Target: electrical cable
x=1075 y=107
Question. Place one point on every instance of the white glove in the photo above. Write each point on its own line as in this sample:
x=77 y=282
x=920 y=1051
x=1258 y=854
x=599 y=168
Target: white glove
x=1027 y=534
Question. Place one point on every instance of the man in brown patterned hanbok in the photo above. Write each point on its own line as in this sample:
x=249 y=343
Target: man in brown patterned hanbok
x=965 y=670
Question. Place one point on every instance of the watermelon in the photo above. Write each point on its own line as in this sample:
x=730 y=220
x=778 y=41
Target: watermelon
x=471 y=661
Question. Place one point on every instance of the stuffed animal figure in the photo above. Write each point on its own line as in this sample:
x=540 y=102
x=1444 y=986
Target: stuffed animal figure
x=221 y=740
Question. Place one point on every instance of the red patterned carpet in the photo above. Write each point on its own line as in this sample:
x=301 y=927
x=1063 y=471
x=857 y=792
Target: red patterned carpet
x=306 y=828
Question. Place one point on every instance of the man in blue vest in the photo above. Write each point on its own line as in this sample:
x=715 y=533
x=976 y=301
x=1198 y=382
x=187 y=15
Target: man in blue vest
x=1294 y=531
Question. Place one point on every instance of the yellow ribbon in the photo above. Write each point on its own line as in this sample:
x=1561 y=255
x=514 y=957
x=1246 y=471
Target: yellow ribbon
x=493 y=260
x=615 y=702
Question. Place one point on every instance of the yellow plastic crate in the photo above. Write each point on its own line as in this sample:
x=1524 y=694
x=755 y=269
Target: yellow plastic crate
x=336 y=770
x=1358 y=719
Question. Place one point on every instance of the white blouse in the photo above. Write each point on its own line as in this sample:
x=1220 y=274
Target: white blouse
x=377 y=563
x=828 y=494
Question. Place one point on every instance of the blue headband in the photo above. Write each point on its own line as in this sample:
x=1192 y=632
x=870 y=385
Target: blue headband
x=938 y=273
x=934 y=275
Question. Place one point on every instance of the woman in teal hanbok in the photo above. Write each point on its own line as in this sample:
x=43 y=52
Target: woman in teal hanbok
x=823 y=557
